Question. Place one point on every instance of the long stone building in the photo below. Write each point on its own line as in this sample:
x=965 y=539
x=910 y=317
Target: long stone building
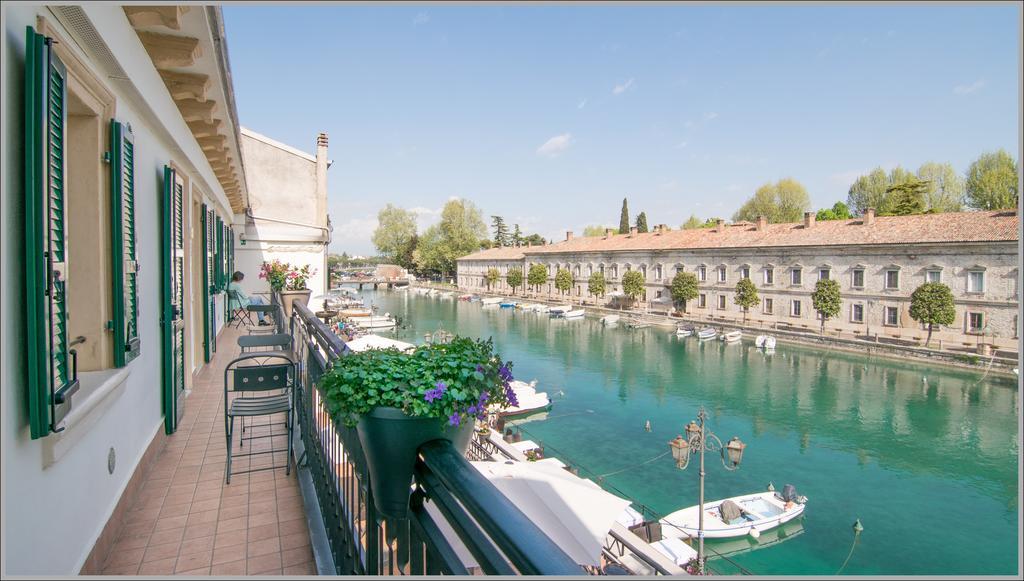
x=878 y=262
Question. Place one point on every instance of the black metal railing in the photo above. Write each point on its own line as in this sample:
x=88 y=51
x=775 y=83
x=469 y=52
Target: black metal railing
x=458 y=522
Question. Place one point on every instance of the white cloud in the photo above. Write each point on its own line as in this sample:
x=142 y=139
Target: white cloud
x=421 y=18
x=710 y=116
x=356 y=231
x=582 y=104
x=556 y=145
x=968 y=89
x=619 y=89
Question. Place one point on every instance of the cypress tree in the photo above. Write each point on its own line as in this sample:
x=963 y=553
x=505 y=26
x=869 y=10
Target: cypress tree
x=641 y=222
x=624 y=218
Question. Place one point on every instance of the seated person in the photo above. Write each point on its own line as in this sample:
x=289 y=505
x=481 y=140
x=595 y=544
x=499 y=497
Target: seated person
x=244 y=300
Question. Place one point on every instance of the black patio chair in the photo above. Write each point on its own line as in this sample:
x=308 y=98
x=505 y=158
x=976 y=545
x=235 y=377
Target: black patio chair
x=264 y=385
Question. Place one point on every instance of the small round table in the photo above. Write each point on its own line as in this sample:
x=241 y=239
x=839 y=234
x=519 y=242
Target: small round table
x=326 y=316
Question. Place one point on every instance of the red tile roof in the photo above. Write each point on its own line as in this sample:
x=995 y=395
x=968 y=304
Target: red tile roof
x=500 y=253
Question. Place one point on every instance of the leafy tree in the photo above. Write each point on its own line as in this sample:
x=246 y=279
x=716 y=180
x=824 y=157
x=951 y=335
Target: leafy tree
x=684 y=288
x=563 y=280
x=535 y=240
x=591 y=231
x=826 y=300
x=624 y=218
x=641 y=222
x=500 y=231
x=692 y=223
x=396 y=231
x=872 y=190
x=992 y=182
x=838 y=211
x=514 y=278
x=457 y=234
x=904 y=199
x=633 y=284
x=486 y=243
x=537 y=276
x=407 y=257
x=429 y=254
x=932 y=304
x=746 y=296
x=595 y=285
x=517 y=236
x=492 y=277
x=945 y=187
x=784 y=201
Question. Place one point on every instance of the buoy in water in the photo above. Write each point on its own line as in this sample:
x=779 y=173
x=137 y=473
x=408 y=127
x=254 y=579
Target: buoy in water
x=754 y=533
x=647 y=426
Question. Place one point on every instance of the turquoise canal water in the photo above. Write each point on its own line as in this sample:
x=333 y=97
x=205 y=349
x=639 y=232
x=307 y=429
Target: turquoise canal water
x=925 y=457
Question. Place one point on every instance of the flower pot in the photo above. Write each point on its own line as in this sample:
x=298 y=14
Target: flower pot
x=287 y=296
x=390 y=439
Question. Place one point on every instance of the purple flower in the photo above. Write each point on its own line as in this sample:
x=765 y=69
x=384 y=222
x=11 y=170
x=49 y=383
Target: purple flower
x=484 y=396
x=454 y=419
x=504 y=373
x=510 y=395
x=441 y=386
x=479 y=368
x=472 y=409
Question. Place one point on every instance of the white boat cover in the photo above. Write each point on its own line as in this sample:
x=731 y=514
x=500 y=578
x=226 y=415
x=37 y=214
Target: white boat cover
x=676 y=550
x=630 y=517
x=577 y=517
x=377 y=342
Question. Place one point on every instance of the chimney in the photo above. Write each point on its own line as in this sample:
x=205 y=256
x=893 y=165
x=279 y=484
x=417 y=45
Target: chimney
x=658 y=229
x=869 y=216
x=720 y=225
x=632 y=231
x=609 y=232
x=568 y=236
x=321 y=178
x=762 y=223
x=809 y=219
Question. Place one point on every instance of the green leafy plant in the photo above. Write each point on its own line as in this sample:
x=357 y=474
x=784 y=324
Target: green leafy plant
x=633 y=284
x=537 y=276
x=492 y=277
x=595 y=285
x=452 y=382
x=826 y=300
x=563 y=280
x=746 y=296
x=684 y=288
x=932 y=304
x=514 y=278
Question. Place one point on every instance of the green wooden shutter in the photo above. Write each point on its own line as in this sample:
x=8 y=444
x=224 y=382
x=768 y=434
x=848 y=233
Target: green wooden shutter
x=51 y=377
x=173 y=300
x=122 y=222
x=205 y=219
x=218 y=257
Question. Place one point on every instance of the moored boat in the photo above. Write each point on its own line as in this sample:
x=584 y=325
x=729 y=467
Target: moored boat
x=764 y=342
x=684 y=330
x=559 y=311
x=375 y=322
x=491 y=300
x=707 y=333
x=749 y=514
x=574 y=314
x=529 y=399
x=732 y=336
x=507 y=304
x=609 y=319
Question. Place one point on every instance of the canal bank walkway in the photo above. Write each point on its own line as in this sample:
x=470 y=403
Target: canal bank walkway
x=998 y=364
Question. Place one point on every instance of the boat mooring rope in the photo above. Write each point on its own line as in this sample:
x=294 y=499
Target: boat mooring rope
x=601 y=477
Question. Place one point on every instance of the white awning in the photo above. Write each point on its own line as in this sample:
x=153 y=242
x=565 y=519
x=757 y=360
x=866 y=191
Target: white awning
x=574 y=513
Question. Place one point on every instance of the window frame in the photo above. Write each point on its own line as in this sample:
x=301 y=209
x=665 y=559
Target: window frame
x=768 y=305
x=885 y=280
x=971 y=272
x=796 y=308
x=971 y=329
x=702 y=300
x=853 y=313
x=769 y=276
x=722 y=302
x=860 y=270
x=796 y=273
x=723 y=274
x=886 y=311
x=702 y=273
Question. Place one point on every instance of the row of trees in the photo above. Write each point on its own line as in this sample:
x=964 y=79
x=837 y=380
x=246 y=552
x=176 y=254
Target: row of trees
x=624 y=225
x=502 y=237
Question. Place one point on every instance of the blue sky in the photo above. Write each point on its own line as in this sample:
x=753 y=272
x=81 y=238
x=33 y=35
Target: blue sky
x=550 y=114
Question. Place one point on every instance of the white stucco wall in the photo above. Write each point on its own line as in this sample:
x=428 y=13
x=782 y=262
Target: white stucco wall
x=53 y=512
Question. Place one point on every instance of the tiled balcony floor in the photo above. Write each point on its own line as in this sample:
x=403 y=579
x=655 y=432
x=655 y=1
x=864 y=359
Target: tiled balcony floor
x=187 y=521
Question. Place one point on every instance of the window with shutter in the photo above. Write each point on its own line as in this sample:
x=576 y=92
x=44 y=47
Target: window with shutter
x=218 y=255
x=124 y=260
x=52 y=378
x=207 y=278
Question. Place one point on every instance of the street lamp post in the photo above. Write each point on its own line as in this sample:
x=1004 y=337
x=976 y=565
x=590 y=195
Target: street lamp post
x=699 y=439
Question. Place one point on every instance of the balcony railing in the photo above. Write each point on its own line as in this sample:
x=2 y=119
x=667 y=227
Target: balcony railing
x=458 y=523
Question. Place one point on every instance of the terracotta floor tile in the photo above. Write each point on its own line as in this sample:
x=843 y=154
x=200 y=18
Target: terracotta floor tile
x=161 y=567
x=263 y=547
x=120 y=556
x=232 y=568
x=229 y=512
x=262 y=518
x=307 y=568
x=199 y=571
x=292 y=526
x=170 y=522
x=229 y=554
x=228 y=539
x=263 y=563
x=200 y=530
x=194 y=561
x=201 y=517
x=131 y=543
x=240 y=523
x=158 y=552
x=296 y=556
x=295 y=540
x=204 y=505
x=196 y=547
x=261 y=532
x=167 y=536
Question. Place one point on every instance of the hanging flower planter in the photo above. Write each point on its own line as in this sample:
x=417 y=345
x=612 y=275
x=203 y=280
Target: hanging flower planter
x=289 y=281
x=399 y=401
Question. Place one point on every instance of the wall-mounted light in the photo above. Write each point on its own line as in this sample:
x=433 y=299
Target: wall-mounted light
x=241 y=238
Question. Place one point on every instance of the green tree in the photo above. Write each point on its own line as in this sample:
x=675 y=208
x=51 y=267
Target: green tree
x=517 y=236
x=396 y=231
x=641 y=222
x=633 y=284
x=563 y=280
x=872 y=190
x=904 y=199
x=407 y=257
x=784 y=201
x=932 y=304
x=945 y=187
x=992 y=182
x=514 y=278
x=534 y=239
x=692 y=223
x=487 y=243
x=624 y=218
x=684 y=288
x=838 y=211
x=826 y=300
x=595 y=284
x=492 y=277
x=591 y=231
x=429 y=254
x=745 y=296
x=537 y=276
x=500 y=231
x=457 y=234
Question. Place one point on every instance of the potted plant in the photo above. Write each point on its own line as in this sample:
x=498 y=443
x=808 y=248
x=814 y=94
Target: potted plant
x=399 y=401
x=289 y=281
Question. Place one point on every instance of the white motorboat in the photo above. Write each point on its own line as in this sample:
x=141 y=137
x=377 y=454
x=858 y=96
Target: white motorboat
x=707 y=333
x=731 y=336
x=682 y=331
x=637 y=323
x=750 y=514
x=356 y=312
x=609 y=319
x=559 y=311
x=491 y=300
x=375 y=322
x=539 y=308
x=529 y=399
x=764 y=342
x=575 y=314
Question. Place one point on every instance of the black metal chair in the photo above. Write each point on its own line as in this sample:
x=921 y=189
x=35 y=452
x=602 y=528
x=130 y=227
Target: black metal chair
x=264 y=384
x=239 y=314
x=271 y=310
